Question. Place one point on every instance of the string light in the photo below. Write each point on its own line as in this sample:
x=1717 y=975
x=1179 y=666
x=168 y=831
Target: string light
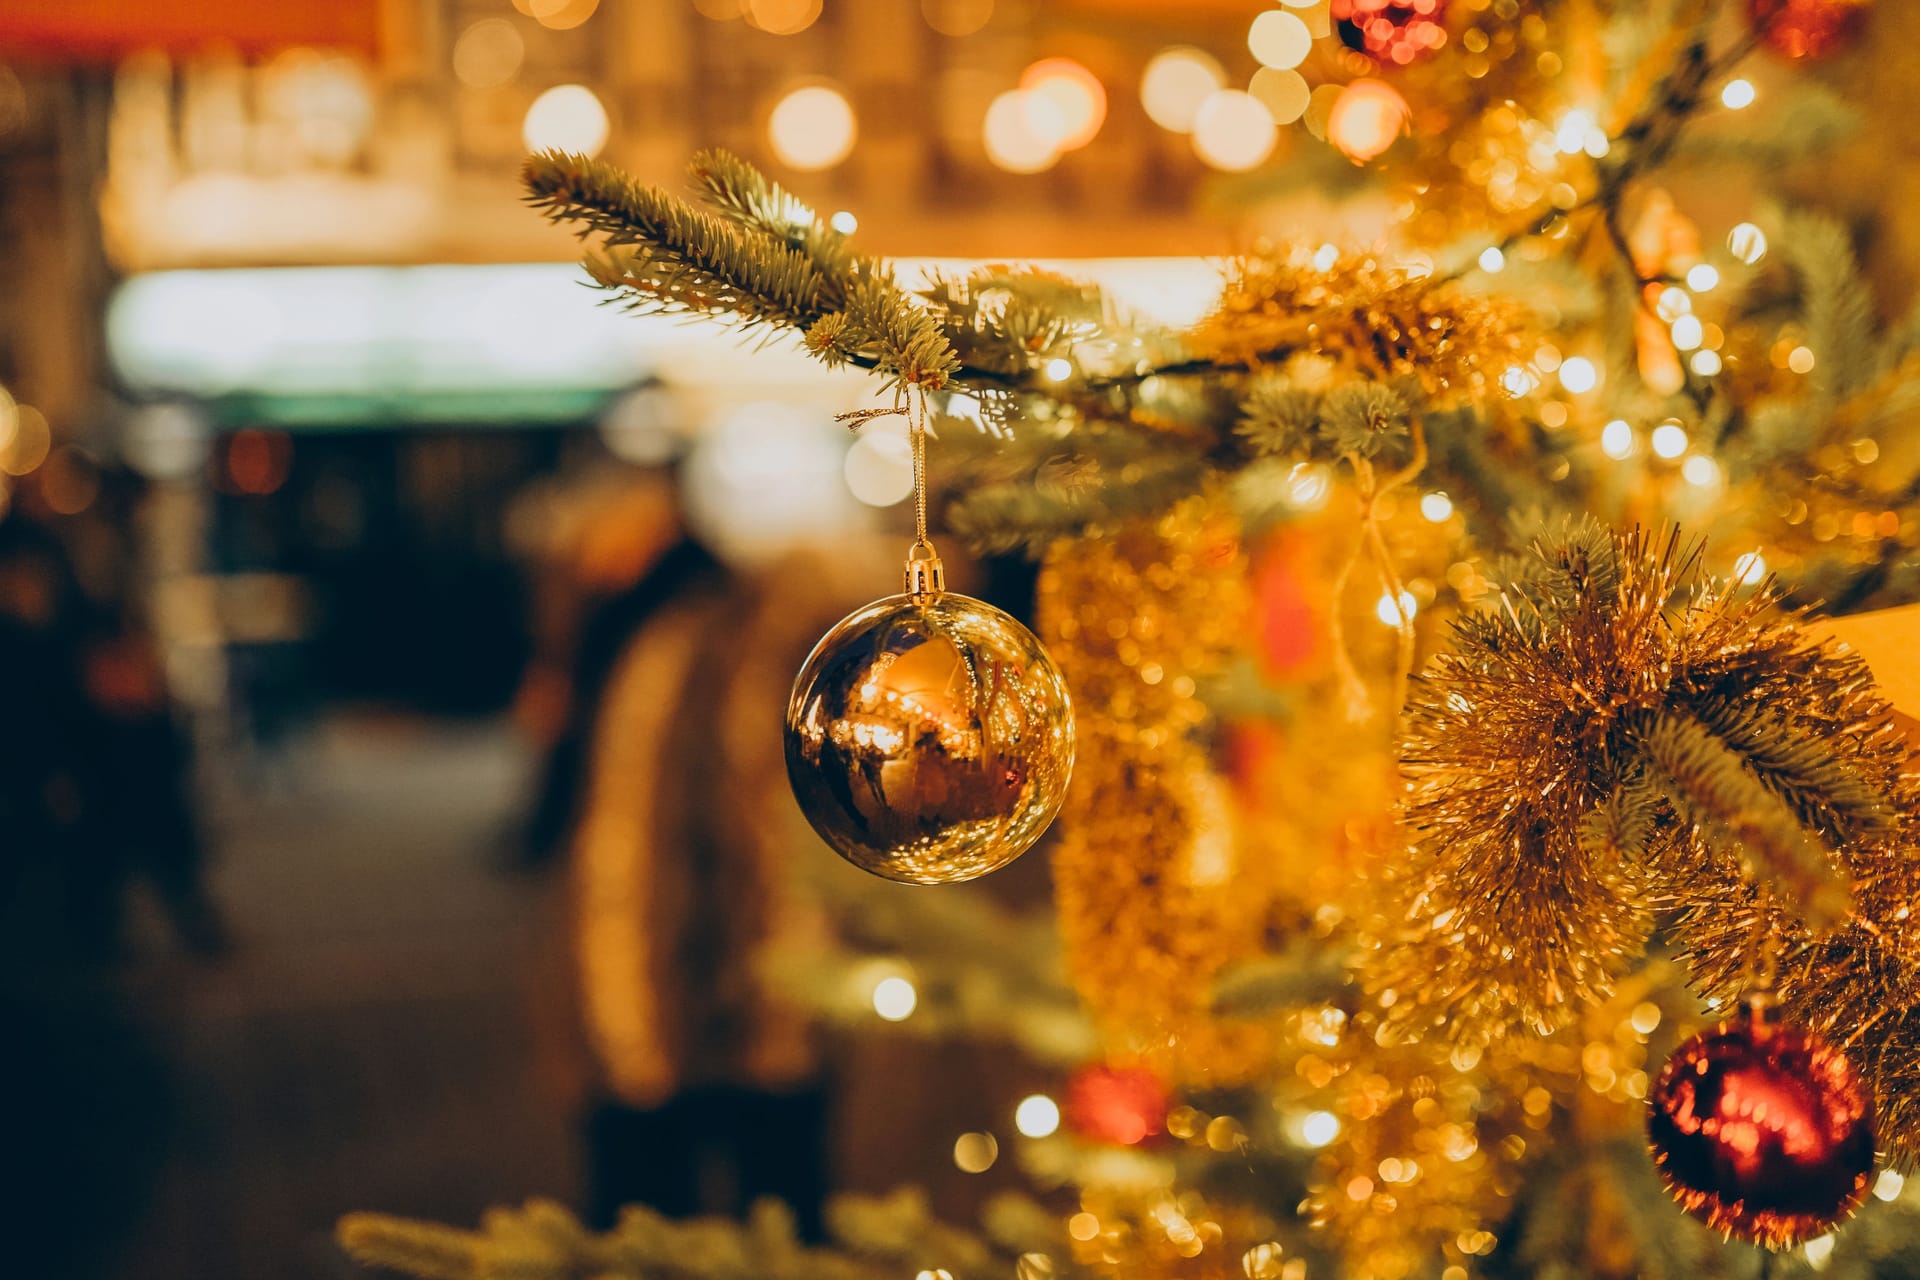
x=1702 y=276
x=1700 y=471
x=1705 y=363
x=1058 y=369
x=894 y=999
x=1233 y=131
x=812 y=128
x=1687 y=332
x=1284 y=94
x=1616 y=439
x=1066 y=104
x=1800 y=360
x=975 y=1152
x=567 y=117
x=1579 y=374
x=1010 y=139
x=1737 y=95
x=1669 y=440
x=1888 y=1185
x=1279 y=39
x=1492 y=259
x=1749 y=570
x=1366 y=118
x=1384 y=609
x=1175 y=83
x=1747 y=242
x=1672 y=303
x=1436 y=506
x=1319 y=1128
x=1037 y=1116
x=844 y=222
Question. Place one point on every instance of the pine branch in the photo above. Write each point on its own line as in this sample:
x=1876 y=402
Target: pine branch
x=1717 y=791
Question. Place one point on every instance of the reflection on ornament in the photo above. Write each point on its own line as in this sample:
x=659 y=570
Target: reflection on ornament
x=1391 y=32
x=1762 y=1130
x=1805 y=28
x=929 y=738
x=1366 y=118
x=1124 y=1105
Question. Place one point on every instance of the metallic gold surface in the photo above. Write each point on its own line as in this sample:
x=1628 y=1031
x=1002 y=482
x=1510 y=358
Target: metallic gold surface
x=929 y=739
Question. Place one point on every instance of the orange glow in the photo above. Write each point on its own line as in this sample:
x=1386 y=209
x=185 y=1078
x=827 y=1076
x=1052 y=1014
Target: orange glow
x=1070 y=100
x=1366 y=119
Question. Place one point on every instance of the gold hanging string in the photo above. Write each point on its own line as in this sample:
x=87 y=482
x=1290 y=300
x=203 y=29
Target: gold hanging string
x=1372 y=543
x=925 y=574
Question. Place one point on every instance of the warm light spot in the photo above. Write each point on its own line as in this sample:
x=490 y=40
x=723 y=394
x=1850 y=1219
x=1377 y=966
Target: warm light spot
x=1737 y=95
x=1749 y=570
x=1318 y=1128
x=567 y=117
x=1700 y=471
x=258 y=461
x=1888 y=1185
x=1687 y=333
x=1283 y=93
x=1359 y=1188
x=812 y=128
x=1058 y=369
x=1233 y=131
x=1279 y=39
x=1436 y=506
x=1366 y=118
x=1702 y=276
x=1308 y=486
x=70 y=481
x=1009 y=138
x=1492 y=259
x=1037 y=1115
x=1800 y=360
x=1819 y=1251
x=1383 y=608
x=844 y=222
x=488 y=54
x=956 y=17
x=562 y=15
x=894 y=999
x=1083 y=1226
x=1065 y=102
x=1705 y=363
x=1579 y=374
x=975 y=1152
x=1325 y=256
x=783 y=17
x=1673 y=303
x=1518 y=380
x=1669 y=440
x=1747 y=243
x=879 y=466
x=1616 y=439
x=1176 y=82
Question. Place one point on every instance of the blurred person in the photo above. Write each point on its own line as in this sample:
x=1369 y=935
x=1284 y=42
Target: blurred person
x=705 y=1090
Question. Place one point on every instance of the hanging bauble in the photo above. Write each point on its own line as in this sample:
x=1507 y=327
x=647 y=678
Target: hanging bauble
x=1806 y=28
x=1123 y=1105
x=1391 y=32
x=1763 y=1131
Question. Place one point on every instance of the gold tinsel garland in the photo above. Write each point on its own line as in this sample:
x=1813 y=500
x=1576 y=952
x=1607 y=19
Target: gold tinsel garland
x=1153 y=899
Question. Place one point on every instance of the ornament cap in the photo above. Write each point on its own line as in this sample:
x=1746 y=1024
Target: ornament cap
x=925 y=576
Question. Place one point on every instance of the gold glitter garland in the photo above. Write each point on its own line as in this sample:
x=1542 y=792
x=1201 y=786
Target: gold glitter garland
x=1153 y=897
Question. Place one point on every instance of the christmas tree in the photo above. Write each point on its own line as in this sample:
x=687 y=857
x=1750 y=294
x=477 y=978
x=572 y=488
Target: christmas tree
x=1462 y=731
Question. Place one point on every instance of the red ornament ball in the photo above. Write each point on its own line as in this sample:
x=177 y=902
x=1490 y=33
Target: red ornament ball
x=1763 y=1131
x=1391 y=32
x=1124 y=1105
x=1805 y=28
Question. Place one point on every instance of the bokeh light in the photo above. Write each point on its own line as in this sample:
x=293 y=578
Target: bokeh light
x=1737 y=95
x=1616 y=439
x=1233 y=131
x=1066 y=104
x=782 y=17
x=1747 y=242
x=1283 y=93
x=1702 y=276
x=1009 y=137
x=894 y=999
x=1176 y=82
x=561 y=15
x=1037 y=1116
x=27 y=447
x=879 y=466
x=488 y=54
x=1669 y=440
x=812 y=128
x=1279 y=39
x=1436 y=506
x=567 y=117
x=975 y=1152
x=1366 y=118
x=956 y=17
x=1579 y=374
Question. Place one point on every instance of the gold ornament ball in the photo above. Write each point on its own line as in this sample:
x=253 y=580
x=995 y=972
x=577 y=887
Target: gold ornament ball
x=929 y=738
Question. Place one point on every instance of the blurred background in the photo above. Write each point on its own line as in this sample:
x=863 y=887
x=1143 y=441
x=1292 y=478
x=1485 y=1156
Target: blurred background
x=338 y=520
